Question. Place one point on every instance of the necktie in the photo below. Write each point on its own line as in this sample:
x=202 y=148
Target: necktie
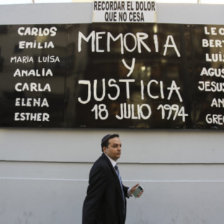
x=119 y=177
x=122 y=190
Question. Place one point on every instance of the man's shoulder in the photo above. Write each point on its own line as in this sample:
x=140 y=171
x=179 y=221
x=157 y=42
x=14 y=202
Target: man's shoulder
x=102 y=163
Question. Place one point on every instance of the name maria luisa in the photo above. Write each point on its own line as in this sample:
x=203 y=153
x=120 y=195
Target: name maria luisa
x=30 y=59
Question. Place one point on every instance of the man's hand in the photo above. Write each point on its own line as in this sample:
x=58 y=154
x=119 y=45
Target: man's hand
x=131 y=191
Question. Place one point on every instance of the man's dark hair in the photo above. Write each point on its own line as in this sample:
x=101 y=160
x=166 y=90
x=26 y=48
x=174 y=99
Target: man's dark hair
x=106 y=138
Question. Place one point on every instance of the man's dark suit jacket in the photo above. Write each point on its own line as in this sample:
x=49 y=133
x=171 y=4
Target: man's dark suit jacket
x=104 y=203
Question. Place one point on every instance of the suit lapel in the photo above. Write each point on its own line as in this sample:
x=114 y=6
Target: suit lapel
x=118 y=185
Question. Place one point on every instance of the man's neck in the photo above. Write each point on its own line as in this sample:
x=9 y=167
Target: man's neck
x=113 y=162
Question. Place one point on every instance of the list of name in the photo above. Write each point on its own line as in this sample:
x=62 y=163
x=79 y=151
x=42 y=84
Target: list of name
x=32 y=84
x=96 y=75
x=213 y=76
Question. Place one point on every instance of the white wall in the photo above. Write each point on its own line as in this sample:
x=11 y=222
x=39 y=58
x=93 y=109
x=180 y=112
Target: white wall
x=44 y=172
x=43 y=175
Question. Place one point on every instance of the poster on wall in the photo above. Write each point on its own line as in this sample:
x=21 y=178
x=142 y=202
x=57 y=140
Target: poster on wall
x=112 y=75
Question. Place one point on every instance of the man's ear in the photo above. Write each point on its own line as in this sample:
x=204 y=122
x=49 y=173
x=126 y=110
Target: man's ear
x=104 y=148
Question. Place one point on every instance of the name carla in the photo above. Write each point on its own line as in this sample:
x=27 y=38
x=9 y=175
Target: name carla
x=32 y=87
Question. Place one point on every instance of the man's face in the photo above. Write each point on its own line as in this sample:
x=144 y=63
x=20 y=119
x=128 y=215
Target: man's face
x=113 y=150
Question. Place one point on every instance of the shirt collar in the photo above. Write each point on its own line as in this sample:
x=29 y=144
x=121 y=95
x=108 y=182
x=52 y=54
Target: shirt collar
x=114 y=163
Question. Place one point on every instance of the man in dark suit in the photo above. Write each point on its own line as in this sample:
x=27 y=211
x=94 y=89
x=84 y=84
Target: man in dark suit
x=105 y=202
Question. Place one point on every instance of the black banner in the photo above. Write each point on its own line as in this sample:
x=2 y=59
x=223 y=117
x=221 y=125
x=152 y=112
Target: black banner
x=152 y=76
